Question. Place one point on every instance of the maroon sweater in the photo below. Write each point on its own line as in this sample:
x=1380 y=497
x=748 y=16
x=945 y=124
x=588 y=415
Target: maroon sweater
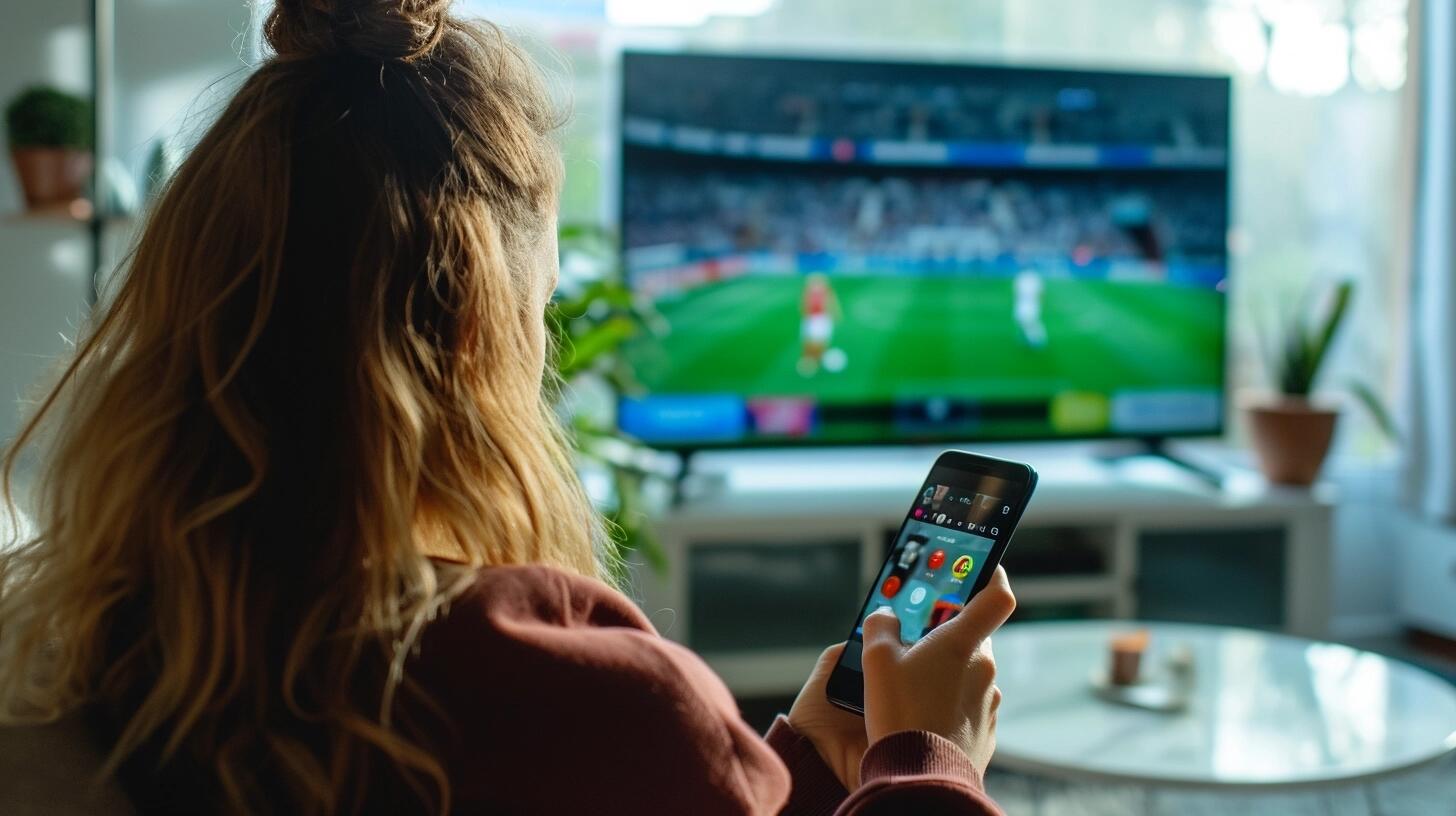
x=561 y=698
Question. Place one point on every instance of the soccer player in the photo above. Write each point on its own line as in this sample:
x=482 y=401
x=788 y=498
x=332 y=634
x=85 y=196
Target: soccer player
x=819 y=309
x=1029 y=288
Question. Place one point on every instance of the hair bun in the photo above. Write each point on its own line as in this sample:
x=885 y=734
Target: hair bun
x=402 y=30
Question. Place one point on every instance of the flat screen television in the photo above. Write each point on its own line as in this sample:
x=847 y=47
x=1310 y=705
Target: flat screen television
x=849 y=252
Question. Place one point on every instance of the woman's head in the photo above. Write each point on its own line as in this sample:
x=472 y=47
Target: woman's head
x=324 y=359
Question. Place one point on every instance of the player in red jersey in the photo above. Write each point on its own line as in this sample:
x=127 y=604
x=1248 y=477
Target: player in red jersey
x=819 y=309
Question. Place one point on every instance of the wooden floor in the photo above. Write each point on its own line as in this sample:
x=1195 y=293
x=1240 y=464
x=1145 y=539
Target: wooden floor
x=1427 y=791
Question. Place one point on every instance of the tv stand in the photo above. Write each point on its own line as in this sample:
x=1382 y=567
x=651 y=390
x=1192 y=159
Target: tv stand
x=1158 y=448
x=689 y=485
x=767 y=549
x=679 y=479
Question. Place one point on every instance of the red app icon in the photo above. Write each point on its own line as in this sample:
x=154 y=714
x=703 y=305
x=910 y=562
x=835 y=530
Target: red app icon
x=919 y=512
x=940 y=613
x=890 y=587
x=935 y=560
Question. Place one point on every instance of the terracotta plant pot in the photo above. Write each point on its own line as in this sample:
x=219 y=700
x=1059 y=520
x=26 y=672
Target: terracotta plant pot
x=51 y=176
x=1291 y=438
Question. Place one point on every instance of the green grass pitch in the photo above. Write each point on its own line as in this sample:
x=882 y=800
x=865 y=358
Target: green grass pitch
x=935 y=336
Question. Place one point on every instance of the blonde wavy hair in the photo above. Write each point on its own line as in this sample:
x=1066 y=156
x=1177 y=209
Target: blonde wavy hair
x=323 y=362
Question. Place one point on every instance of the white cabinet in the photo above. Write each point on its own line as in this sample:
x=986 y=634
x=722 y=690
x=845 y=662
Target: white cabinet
x=1428 y=578
x=769 y=569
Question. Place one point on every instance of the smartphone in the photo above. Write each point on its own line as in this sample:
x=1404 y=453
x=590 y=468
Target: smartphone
x=946 y=551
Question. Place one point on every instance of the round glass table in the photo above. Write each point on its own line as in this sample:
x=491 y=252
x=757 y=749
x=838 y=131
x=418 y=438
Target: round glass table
x=1264 y=710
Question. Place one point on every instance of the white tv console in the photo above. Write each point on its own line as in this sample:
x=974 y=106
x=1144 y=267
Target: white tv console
x=768 y=564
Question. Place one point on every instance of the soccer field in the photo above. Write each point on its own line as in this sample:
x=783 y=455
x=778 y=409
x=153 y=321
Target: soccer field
x=956 y=337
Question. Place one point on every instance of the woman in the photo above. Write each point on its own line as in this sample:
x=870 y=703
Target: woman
x=309 y=541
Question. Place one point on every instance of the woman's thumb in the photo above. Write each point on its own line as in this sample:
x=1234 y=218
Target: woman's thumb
x=882 y=627
x=978 y=619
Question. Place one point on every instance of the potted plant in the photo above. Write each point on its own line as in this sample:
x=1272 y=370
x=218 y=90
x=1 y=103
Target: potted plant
x=592 y=315
x=50 y=142
x=1292 y=430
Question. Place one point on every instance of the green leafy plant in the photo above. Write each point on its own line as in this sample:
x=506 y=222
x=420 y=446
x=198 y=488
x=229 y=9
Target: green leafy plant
x=590 y=319
x=45 y=117
x=1301 y=352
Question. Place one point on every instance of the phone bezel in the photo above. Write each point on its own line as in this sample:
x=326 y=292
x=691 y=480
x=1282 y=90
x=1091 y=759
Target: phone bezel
x=845 y=687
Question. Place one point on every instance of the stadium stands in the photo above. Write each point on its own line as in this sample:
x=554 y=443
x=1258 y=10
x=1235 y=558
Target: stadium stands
x=920 y=220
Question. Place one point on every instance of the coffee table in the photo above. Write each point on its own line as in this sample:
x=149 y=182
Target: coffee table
x=1266 y=711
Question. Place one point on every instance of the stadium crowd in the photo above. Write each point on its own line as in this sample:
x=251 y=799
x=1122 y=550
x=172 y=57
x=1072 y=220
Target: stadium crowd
x=914 y=218
x=911 y=103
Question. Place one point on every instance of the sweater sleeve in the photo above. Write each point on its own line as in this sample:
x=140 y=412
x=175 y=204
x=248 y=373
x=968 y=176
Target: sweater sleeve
x=816 y=790
x=562 y=699
x=909 y=772
x=918 y=772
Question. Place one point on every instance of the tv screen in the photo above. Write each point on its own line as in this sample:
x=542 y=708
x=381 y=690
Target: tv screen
x=851 y=252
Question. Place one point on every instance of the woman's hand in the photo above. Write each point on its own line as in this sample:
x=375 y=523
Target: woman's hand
x=945 y=682
x=838 y=735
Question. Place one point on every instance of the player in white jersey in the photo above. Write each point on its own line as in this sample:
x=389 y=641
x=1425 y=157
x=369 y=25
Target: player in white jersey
x=1029 y=287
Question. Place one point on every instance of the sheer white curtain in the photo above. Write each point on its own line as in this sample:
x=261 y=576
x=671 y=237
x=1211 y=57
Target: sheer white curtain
x=1432 y=443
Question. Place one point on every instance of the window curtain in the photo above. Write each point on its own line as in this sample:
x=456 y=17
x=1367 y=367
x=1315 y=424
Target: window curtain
x=1431 y=444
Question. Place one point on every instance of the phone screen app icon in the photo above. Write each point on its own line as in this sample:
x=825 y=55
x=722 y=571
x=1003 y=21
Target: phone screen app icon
x=936 y=560
x=891 y=587
x=962 y=566
x=945 y=608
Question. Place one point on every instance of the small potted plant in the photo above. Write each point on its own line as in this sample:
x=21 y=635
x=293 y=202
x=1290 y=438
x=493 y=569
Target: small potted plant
x=50 y=142
x=1292 y=430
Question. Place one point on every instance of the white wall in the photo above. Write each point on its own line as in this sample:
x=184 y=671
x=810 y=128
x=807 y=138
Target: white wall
x=178 y=62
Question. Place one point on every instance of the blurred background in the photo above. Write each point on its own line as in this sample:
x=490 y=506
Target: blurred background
x=1154 y=247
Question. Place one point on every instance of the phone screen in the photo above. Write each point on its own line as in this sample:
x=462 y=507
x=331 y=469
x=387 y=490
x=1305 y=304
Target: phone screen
x=952 y=538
